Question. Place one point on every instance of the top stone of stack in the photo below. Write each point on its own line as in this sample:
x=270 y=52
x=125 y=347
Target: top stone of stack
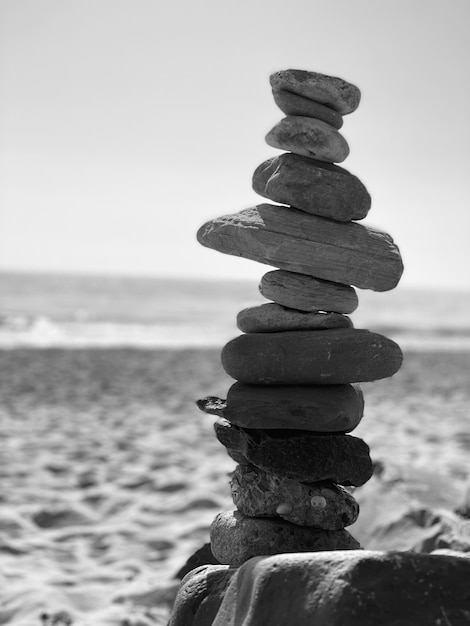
x=330 y=91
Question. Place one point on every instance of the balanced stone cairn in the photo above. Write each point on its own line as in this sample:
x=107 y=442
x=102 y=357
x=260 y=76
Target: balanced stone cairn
x=285 y=421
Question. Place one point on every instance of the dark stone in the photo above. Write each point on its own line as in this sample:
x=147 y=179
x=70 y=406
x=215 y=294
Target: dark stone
x=347 y=253
x=236 y=538
x=308 y=137
x=300 y=455
x=312 y=186
x=258 y=493
x=305 y=293
x=332 y=91
x=202 y=556
x=200 y=595
x=316 y=408
x=311 y=357
x=272 y=318
x=354 y=588
x=293 y=104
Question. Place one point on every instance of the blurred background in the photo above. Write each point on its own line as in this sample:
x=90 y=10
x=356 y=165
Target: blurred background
x=125 y=125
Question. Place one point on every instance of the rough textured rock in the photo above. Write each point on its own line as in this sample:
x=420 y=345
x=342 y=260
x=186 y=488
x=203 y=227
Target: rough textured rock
x=236 y=538
x=293 y=104
x=202 y=556
x=335 y=92
x=311 y=357
x=300 y=455
x=354 y=588
x=312 y=186
x=308 y=137
x=258 y=493
x=305 y=293
x=346 y=253
x=200 y=595
x=272 y=317
x=317 y=408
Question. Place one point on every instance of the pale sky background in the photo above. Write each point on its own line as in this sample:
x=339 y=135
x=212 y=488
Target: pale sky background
x=126 y=124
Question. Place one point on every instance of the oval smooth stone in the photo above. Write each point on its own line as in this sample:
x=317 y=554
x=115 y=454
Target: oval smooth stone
x=272 y=317
x=332 y=91
x=293 y=104
x=308 y=137
x=318 y=408
x=317 y=357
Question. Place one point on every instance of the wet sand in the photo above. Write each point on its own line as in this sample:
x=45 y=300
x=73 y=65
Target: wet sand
x=111 y=476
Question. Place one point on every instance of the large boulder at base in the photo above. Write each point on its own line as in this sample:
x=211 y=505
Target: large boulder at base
x=258 y=493
x=305 y=293
x=309 y=137
x=272 y=318
x=236 y=538
x=293 y=104
x=300 y=455
x=333 y=91
x=328 y=408
x=312 y=186
x=348 y=253
x=311 y=357
x=200 y=595
x=353 y=588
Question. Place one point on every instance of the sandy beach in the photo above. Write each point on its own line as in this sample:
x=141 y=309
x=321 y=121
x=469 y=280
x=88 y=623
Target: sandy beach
x=111 y=476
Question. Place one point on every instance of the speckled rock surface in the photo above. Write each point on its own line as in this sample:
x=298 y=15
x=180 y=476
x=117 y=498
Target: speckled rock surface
x=347 y=253
x=272 y=317
x=353 y=588
x=300 y=455
x=308 y=137
x=312 y=186
x=333 y=91
x=200 y=595
x=236 y=538
x=258 y=493
x=319 y=408
x=311 y=357
x=293 y=104
x=305 y=293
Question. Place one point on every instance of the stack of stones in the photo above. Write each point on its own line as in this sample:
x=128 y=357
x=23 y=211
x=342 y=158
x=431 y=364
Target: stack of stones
x=300 y=358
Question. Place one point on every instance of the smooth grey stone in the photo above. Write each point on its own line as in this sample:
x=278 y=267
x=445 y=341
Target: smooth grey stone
x=317 y=408
x=346 y=253
x=309 y=137
x=293 y=104
x=272 y=317
x=305 y=293
x=311 y=357
x=353 y=588
x=258 y=493
x=301 y=455
x=312 y=186
x=236 y=538
x=332 y=91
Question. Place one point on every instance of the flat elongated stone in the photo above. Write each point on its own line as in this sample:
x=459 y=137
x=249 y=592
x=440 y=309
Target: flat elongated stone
x=258 y=493
x=319 y=408
x=293 y=104
x=309 y=137
x=348 y=253
x=353 y=588
x=312 y=186
x=305 y=293
x=236 y=538
x=300 y=455
x=335 y=92
x=311 y=357
x=272 y=317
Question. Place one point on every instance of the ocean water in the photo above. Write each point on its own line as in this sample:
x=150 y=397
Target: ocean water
x=40 y=310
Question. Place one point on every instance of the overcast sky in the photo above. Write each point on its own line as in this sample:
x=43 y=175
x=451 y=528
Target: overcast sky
x=126 y=124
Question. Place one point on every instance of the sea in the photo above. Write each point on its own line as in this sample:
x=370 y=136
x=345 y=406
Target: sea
x=39 y=310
